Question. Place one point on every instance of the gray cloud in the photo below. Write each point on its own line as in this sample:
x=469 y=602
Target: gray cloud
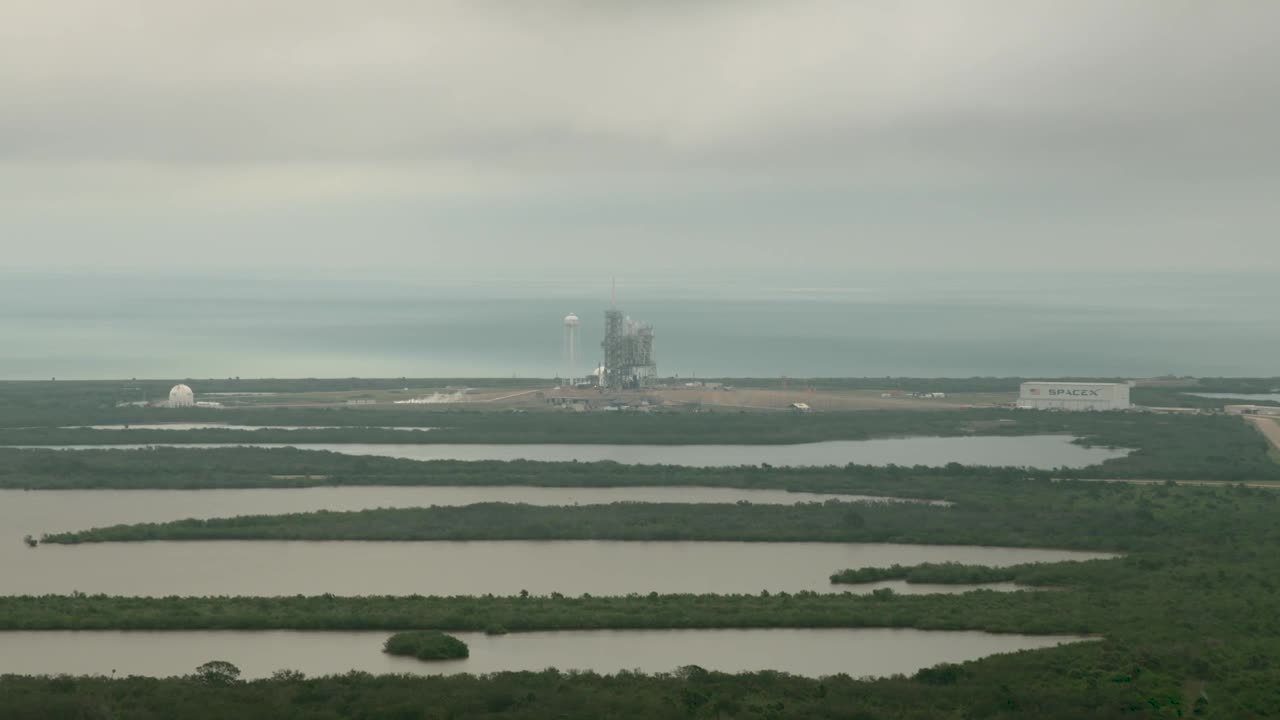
x=855 y=131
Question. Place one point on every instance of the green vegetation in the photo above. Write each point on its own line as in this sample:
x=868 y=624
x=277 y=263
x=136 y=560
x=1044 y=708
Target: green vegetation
x=426 y=645
x=217 y=672
x=671 y=428
x=1190 y=619
x=1042 y=613
x=84 y=400
x=246 y=467
x=1068 y=682
x=1001 y=511
x=1180 y=447
x=1181 y=398
x=52 y=404
x=937 y=573
x=1030 y=574
x=1009 y=513
x=1178 y=394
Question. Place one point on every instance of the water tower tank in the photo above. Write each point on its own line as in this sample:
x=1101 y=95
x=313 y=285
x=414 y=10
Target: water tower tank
x=572 y=346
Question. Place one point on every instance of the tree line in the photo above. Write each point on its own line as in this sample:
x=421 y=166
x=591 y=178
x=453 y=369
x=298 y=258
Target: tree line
x=1067 y=683
x=1189 y=619
x=1178 y=447
x=1007 y=512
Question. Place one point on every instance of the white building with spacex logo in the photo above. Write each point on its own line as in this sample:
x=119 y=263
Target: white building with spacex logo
x=1074 y=396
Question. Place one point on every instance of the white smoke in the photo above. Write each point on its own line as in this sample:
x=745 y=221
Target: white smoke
x=435 y=398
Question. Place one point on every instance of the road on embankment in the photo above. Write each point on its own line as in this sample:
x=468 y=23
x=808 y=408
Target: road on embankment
x=1269 y=427
x=1151 y=481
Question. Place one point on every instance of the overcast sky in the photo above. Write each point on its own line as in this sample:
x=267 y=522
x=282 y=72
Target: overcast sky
x=730 y=135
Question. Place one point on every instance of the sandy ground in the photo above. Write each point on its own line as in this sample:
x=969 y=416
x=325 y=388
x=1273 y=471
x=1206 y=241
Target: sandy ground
x=779 y=399
x=676 y=398
x=388 y=398
x=1269 y=427
x=817 y=400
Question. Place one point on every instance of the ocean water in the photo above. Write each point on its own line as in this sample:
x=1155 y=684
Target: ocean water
x=422 y=324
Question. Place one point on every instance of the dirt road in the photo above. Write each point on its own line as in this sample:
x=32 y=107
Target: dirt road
x=1269 y=427
x=829 y=400
x=1206 y=483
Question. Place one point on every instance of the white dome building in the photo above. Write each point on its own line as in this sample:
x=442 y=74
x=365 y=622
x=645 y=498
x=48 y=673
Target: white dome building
x=181 y=396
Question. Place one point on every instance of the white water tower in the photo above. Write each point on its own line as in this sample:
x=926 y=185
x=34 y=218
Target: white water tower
x=572 y=346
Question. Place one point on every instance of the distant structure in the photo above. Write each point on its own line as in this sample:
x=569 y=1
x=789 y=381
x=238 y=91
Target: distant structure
x=1271 y=410
x=628 y=351
x=1074 y=396
x=572 y=346
x=181 y=396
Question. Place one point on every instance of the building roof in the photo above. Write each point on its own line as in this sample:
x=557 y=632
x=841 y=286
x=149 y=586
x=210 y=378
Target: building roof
x=1082 y=384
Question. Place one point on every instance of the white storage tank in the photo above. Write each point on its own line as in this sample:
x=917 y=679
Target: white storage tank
x=181 y=396
x=1074 y=396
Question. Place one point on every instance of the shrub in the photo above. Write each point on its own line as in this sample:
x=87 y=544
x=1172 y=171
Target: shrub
x=426 y=645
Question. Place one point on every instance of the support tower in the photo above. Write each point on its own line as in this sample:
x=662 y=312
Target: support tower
x=628 y=352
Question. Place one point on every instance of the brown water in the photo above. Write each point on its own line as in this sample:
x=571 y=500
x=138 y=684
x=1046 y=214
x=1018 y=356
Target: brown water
x=1038 y=451
x=268 y=568
x=814 y=653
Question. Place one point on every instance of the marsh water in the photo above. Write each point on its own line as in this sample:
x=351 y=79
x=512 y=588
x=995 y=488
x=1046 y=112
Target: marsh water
x=814 y=653
x=38 y=512
x=1037 y=451
x=428 y=568
x=599 y=567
